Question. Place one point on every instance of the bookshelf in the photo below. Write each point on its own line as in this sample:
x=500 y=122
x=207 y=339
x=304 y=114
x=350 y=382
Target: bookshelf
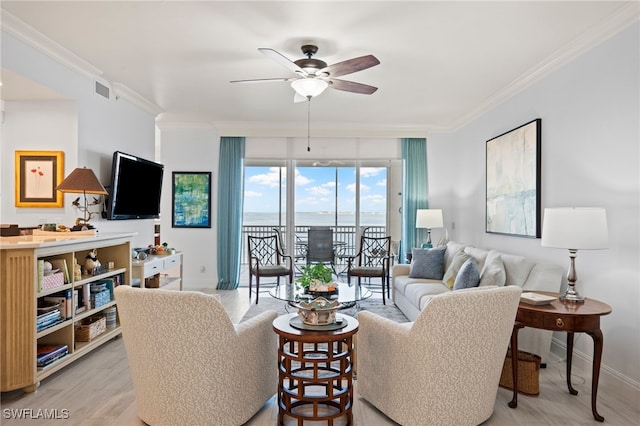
x=22 y=292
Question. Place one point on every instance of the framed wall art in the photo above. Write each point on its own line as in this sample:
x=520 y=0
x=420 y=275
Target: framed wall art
x=191 y=200
x=37 y=174
x=513 y=182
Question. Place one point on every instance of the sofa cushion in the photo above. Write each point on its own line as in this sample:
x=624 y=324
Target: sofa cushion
x=452 y=249
x=493 y=272
x=402 y=282
x=478 y=254
x=452 y=271
x=427 y=263
x=419 y=294
x=517 y=269
x=468 y=276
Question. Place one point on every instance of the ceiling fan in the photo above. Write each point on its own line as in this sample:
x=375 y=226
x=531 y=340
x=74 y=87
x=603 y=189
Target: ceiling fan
x=313 y=75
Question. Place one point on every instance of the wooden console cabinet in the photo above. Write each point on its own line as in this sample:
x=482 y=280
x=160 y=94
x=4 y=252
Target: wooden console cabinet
x=20 y=297
x=166 y=269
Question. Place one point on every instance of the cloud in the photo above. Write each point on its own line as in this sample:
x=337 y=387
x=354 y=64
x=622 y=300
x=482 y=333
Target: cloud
x=382 y=182
x=252 y=194
x=363 y=188
x=271 y=179
x=302 y=180
x=370 y=171
x=319 y=191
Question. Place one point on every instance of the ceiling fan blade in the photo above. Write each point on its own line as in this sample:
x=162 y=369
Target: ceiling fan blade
x=264 y=80
x=350 y=86
x=283 y=60
x=349 y=66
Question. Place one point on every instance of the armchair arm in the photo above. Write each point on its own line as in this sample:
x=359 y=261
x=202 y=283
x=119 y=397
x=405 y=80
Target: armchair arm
x=258 y=352
x=381 y=342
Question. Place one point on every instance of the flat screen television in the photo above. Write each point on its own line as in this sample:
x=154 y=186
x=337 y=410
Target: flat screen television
x=136 y=186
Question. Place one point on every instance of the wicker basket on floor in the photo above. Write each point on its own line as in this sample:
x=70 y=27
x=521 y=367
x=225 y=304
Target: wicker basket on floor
x=528 y=373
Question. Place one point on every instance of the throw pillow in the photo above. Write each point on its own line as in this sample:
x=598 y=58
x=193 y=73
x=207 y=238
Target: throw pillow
x=458 y=260
x=427 y=263
x=468 y=276
x=493 y=273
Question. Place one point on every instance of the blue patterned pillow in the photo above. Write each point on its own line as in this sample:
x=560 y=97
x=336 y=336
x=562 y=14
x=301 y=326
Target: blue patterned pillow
x=427 y=263
x=468 y=275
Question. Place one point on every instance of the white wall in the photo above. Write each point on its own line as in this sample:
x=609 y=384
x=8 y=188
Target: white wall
x=191 y=150
x=590 y=156
x=88 y=128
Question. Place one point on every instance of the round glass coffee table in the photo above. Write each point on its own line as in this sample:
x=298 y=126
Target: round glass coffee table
x=348 y=295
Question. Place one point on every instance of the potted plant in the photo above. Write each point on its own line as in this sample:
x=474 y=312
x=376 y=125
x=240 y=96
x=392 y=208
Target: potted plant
x=317 y=278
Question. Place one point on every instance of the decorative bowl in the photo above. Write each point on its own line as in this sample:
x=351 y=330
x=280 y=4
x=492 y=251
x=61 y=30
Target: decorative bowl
x=319 y=311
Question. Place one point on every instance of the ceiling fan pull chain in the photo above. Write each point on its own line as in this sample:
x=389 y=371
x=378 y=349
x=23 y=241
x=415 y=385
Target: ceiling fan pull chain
x=308 y=123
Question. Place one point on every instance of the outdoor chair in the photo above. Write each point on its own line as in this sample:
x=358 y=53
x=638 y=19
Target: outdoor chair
x=298 y=253
x=372 y=261
x=267 y=260
x=320 y=246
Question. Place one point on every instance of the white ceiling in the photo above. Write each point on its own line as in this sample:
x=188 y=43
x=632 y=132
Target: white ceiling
x=442 y=63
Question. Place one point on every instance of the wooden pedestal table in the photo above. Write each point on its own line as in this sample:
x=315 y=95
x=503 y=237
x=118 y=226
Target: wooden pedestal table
x=570 y=318
x=315 y=380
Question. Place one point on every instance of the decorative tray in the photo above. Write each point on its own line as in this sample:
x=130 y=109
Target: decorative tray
x=532 y=298
x=296 y=322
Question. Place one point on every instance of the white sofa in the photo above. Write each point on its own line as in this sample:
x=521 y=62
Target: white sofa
x=412 y=294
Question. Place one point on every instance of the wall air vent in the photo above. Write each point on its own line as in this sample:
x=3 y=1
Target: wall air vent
x=102 y=90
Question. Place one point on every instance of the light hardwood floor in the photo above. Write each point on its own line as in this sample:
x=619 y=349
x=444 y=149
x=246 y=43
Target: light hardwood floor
x=97 y=390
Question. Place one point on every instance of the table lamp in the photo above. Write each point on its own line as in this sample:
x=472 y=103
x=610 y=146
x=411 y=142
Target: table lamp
x=574 y=228
x=429 y=218
x=82 y=181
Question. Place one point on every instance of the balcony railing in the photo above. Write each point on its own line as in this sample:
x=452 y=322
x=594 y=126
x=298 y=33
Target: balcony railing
x=346 y=236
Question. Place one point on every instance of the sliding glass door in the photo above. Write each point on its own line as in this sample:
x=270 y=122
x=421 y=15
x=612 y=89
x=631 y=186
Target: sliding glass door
x=350 y=197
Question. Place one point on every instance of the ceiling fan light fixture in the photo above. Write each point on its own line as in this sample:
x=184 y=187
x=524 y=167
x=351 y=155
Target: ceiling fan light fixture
x=309 y=87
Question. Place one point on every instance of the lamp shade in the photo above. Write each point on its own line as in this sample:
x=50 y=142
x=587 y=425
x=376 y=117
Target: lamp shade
x=309 y=86
x=82 y=181
x=575 y=228
x=429 y=218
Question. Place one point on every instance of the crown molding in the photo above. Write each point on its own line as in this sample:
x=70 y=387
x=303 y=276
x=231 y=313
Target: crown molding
x=23 y=32
x=617 y=22
x=122 y=91
x=299 y=129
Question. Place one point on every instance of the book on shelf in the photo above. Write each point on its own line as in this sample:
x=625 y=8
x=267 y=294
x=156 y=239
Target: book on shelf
x=48 y=319
x=63 y=299
x=61 y=264
x=46 y=354
x=48 y=316
x=40 y=274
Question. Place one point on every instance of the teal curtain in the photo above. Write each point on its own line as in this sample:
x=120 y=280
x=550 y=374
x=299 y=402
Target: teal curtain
x=415 y=189
x=230 y=196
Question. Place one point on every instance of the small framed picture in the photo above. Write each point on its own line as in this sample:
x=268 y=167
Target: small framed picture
x=38 y=173
x=191 y=200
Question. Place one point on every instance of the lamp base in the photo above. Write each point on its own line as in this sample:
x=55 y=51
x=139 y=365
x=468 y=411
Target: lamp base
x=572 y=296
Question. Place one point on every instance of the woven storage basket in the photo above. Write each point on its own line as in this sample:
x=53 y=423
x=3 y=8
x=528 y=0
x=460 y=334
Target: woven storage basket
x=90 y=328
x=528 y=373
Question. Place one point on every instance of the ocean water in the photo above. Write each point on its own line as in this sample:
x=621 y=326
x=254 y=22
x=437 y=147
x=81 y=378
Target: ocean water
x=316 y=219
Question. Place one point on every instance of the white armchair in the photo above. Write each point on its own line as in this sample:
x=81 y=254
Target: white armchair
x=189 y=363
x=443 y=368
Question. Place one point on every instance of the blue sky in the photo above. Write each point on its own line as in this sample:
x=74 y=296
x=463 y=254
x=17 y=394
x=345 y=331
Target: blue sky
x=315 y=189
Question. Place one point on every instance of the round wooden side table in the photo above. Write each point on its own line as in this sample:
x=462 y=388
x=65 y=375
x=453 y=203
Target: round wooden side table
x=315 y=375
x=570 y=318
